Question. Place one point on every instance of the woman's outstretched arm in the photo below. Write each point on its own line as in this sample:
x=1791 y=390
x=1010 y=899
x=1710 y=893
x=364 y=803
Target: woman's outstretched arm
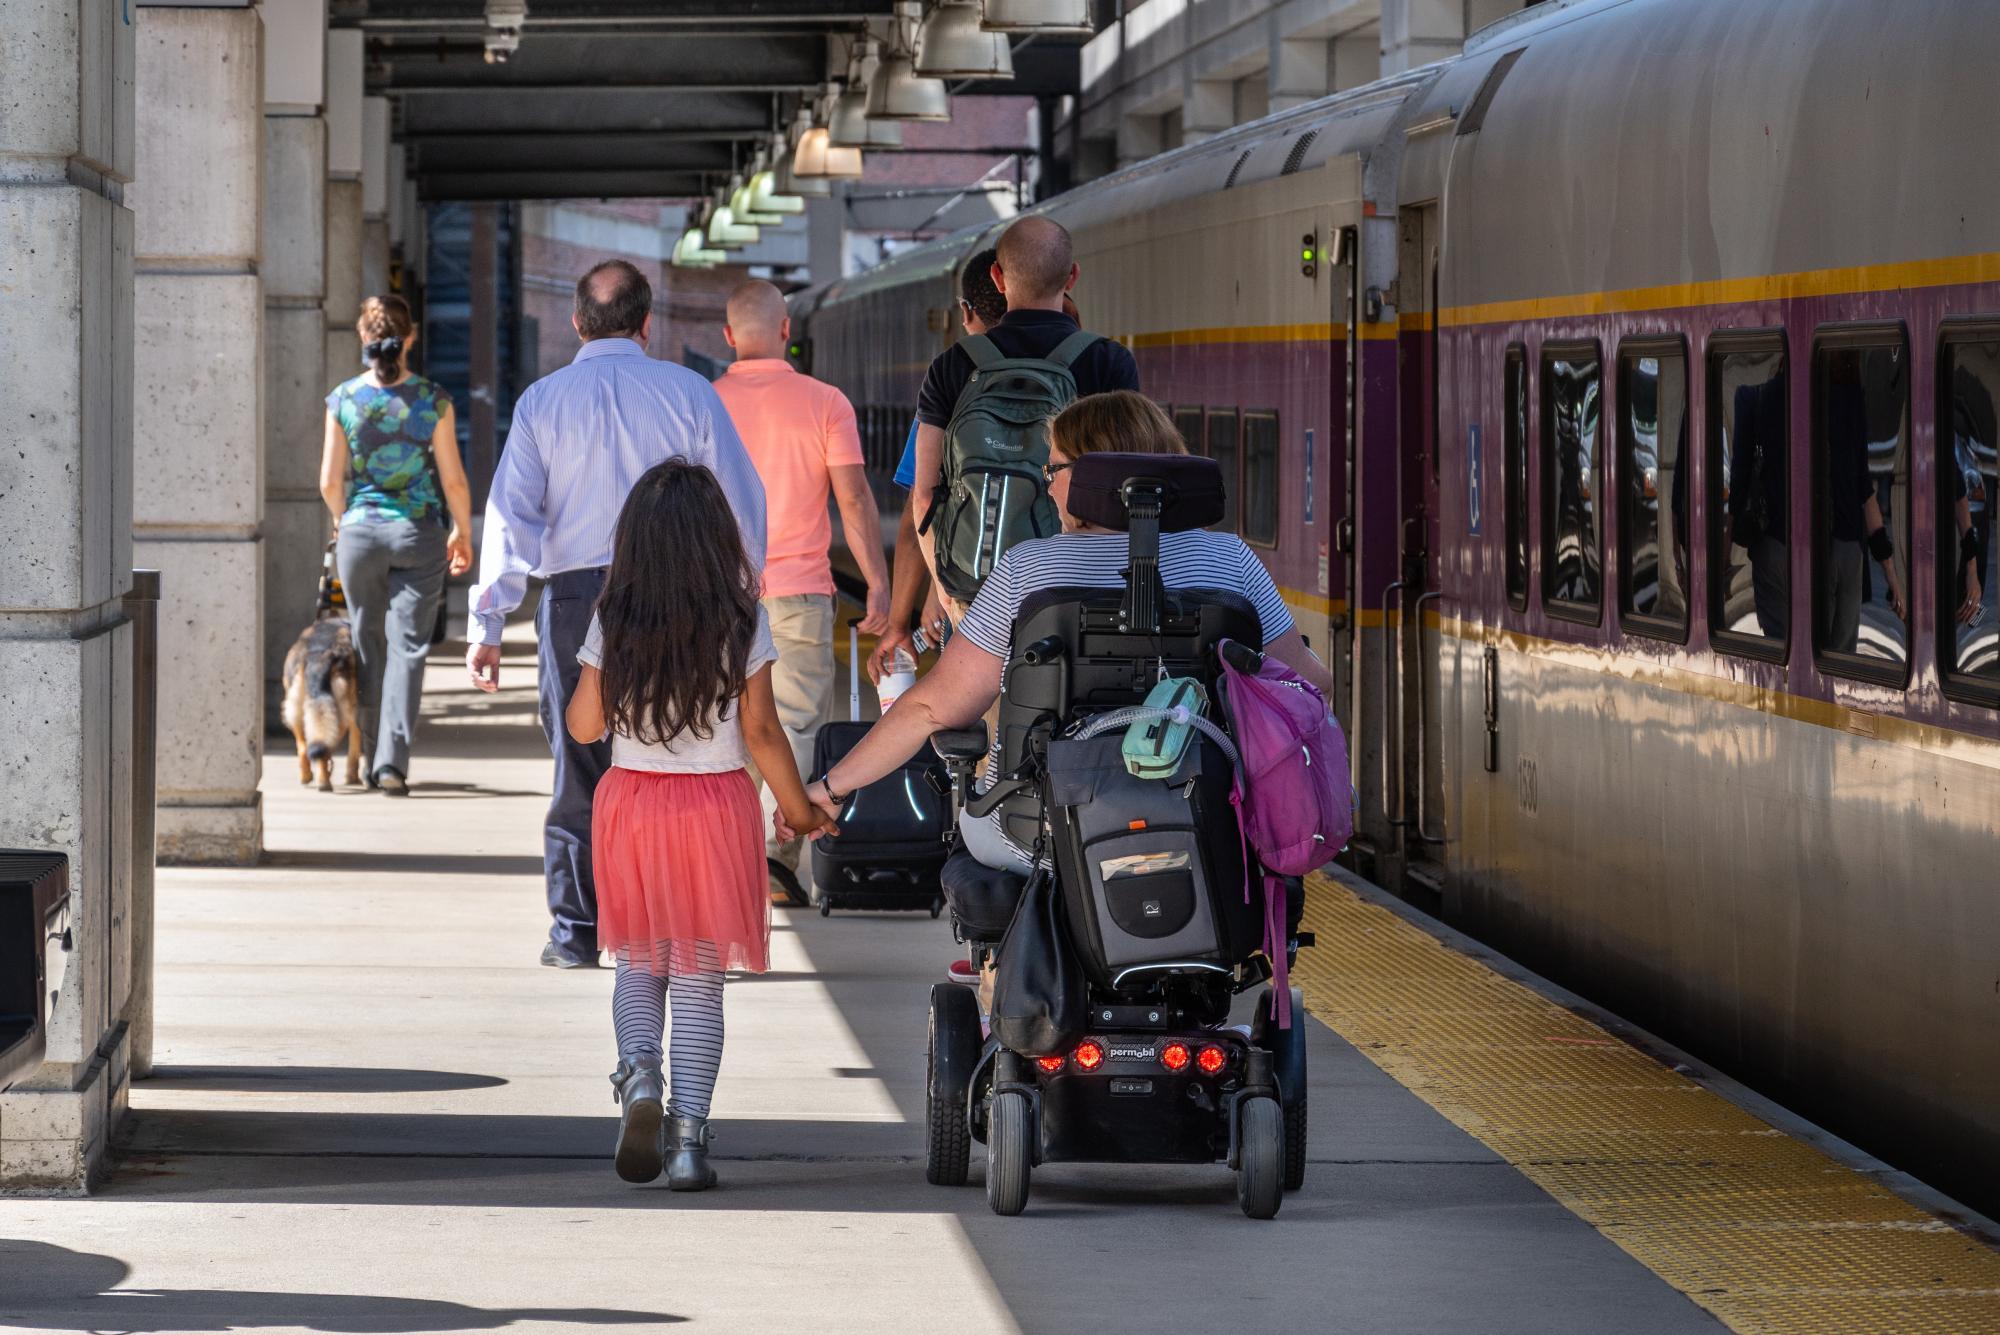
x=954 y=694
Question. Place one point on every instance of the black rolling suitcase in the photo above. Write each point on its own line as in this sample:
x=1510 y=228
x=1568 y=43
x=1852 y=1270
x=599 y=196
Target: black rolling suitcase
x=891 y=844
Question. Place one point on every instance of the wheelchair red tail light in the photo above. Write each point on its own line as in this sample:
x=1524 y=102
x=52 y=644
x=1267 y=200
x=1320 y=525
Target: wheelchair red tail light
x=1089 y=1055
x=1174 y=1056
x=1211 y=1059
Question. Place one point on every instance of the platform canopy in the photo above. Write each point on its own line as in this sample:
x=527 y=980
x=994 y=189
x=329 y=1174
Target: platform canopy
x=617 y=98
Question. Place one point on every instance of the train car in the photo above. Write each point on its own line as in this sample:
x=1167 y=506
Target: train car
x=1616 y=403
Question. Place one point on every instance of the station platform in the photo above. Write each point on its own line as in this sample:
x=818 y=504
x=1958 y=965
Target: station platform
x=374 y=1111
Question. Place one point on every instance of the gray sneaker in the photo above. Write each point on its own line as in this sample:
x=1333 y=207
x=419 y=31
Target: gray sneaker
x=641 y=1098
x=687 y=1153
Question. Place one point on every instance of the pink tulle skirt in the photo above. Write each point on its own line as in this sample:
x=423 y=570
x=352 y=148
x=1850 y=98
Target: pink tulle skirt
x=681 y=880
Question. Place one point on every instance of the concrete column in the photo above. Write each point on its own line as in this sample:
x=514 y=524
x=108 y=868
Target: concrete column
x=199 y=390
x=1416 y=32
x=343 y=204
x=294 y=273
x=1299 y=69
x=374 y=194
x=1354 y=59
x=484 y=355
x=66 y=506
x=1139 y=138
x=826 y=236
x=1208 y=108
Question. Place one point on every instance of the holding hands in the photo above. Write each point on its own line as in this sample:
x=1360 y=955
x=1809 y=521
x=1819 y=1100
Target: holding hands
x=807 y=822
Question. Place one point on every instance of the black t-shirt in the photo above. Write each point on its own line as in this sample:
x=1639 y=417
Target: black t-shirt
x=1104 y=365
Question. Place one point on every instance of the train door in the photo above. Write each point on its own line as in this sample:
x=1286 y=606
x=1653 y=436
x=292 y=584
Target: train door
x=1415 y=779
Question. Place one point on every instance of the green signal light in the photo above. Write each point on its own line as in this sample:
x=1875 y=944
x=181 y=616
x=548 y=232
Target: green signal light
x=1306 y=255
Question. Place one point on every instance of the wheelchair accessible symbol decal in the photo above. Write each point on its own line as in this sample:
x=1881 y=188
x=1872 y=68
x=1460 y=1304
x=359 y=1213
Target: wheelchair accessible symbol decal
x=1474 y=475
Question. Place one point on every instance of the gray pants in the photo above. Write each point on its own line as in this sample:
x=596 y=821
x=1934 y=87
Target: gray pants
x=392 y=574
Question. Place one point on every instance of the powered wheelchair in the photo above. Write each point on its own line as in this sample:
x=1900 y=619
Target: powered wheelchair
x=1150 y=879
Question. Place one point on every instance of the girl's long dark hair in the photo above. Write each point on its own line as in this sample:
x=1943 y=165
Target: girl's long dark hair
x=679 y=607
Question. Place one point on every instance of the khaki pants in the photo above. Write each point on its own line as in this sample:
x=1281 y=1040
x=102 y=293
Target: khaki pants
x=802 y=685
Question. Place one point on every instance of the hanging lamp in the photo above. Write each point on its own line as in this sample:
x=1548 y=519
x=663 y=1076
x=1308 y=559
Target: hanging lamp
x=850 y=125
x=952 y=45
x=898 y=92
x=1047 y=18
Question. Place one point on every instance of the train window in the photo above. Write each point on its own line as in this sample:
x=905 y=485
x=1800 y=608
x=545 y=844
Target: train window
x=1188 y=422
x=1749 y=496
x=1968 y=473
x=1861 y=501
x=1222 y=448
x=1653 y=486
x=1260 y=479
x=1514 y=437
x=1572 y=395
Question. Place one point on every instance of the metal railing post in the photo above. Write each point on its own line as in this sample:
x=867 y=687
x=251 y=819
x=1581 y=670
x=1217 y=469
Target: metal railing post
x=142 y=609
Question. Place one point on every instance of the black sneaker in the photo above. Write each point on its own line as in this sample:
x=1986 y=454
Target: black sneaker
x=391 y=783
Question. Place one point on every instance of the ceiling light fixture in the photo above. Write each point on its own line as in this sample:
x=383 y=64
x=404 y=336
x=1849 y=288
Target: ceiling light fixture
x=952 y=45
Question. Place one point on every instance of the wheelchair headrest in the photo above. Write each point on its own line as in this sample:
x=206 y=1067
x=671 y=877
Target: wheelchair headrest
x=1193 y=496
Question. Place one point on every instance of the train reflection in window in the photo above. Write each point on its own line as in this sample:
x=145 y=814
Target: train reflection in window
x=1187 y=421
x=1571 y=400
x=1514 y=435
x=1968 y=443
x=1653 y=523
x=1749 y=512
x=1861 y=501
x=1222 y=449
x=1260 y=479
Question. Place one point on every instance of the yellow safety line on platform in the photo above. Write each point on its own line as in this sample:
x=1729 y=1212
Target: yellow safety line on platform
x=1765 y=1231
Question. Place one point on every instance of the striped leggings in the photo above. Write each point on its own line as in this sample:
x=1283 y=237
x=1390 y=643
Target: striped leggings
x=639 y=1013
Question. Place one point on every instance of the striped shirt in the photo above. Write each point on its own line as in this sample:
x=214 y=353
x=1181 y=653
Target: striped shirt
x=1196 y=559
x=581 y=438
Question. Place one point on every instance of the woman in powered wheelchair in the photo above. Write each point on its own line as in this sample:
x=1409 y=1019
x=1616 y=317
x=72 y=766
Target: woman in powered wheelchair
x=1111 y=851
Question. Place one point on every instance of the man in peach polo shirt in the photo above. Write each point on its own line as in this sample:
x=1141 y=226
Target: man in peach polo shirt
x=801 y=436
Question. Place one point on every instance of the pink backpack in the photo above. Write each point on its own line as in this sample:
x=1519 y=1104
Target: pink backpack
x=1294 y=799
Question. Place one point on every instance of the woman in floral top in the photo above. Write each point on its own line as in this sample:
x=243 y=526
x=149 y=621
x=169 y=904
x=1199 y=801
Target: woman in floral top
x=392 y=477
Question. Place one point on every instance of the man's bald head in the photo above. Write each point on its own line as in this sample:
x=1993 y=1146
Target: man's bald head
x=613 y=300
x=1036 y=263
x=755 y=320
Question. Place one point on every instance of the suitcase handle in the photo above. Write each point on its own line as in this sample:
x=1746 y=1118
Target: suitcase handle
x=854 y=669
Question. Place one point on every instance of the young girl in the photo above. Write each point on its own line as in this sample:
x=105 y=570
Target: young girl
x=677 y=668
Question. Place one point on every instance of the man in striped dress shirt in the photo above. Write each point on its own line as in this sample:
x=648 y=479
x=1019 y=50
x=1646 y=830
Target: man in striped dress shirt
x=580 y=439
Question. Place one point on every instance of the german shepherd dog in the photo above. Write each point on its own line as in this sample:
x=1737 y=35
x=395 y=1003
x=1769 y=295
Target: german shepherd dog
x=322 y=703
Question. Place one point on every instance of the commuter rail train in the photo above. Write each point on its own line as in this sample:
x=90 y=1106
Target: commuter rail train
x=1616 y=403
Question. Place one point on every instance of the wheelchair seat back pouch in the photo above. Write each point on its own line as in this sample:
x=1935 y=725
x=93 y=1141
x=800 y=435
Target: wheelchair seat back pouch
x=1152 y=870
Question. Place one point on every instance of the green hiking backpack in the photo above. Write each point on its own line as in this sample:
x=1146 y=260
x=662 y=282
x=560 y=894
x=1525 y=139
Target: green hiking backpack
x=993 y=493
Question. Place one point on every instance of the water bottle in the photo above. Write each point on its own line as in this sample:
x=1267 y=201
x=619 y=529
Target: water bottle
x=900 y=676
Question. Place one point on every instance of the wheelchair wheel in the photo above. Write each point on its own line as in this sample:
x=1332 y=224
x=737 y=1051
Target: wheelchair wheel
x=954 y=1052
x=1288 y=1057
x=1009 y=1144
x=1260 y=1170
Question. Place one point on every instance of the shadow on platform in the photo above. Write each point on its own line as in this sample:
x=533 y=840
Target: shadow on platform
x=45 y=1287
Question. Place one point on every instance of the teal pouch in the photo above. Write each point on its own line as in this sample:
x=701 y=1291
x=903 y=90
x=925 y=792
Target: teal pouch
x=1155 y=743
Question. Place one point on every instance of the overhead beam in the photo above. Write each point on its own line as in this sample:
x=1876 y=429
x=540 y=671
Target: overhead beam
x=625 y=184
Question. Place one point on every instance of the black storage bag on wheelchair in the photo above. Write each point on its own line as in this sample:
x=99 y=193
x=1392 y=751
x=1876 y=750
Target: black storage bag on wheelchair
x=1152 y=869
x=1040 y=1004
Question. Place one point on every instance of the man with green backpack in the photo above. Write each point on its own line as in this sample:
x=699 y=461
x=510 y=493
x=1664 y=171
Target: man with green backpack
x=982 y=433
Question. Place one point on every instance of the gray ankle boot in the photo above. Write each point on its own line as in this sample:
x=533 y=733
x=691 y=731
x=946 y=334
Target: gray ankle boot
x=687 y=1153
x=641 y=1098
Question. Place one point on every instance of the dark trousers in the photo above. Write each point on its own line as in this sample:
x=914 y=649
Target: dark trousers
x=561 y=622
